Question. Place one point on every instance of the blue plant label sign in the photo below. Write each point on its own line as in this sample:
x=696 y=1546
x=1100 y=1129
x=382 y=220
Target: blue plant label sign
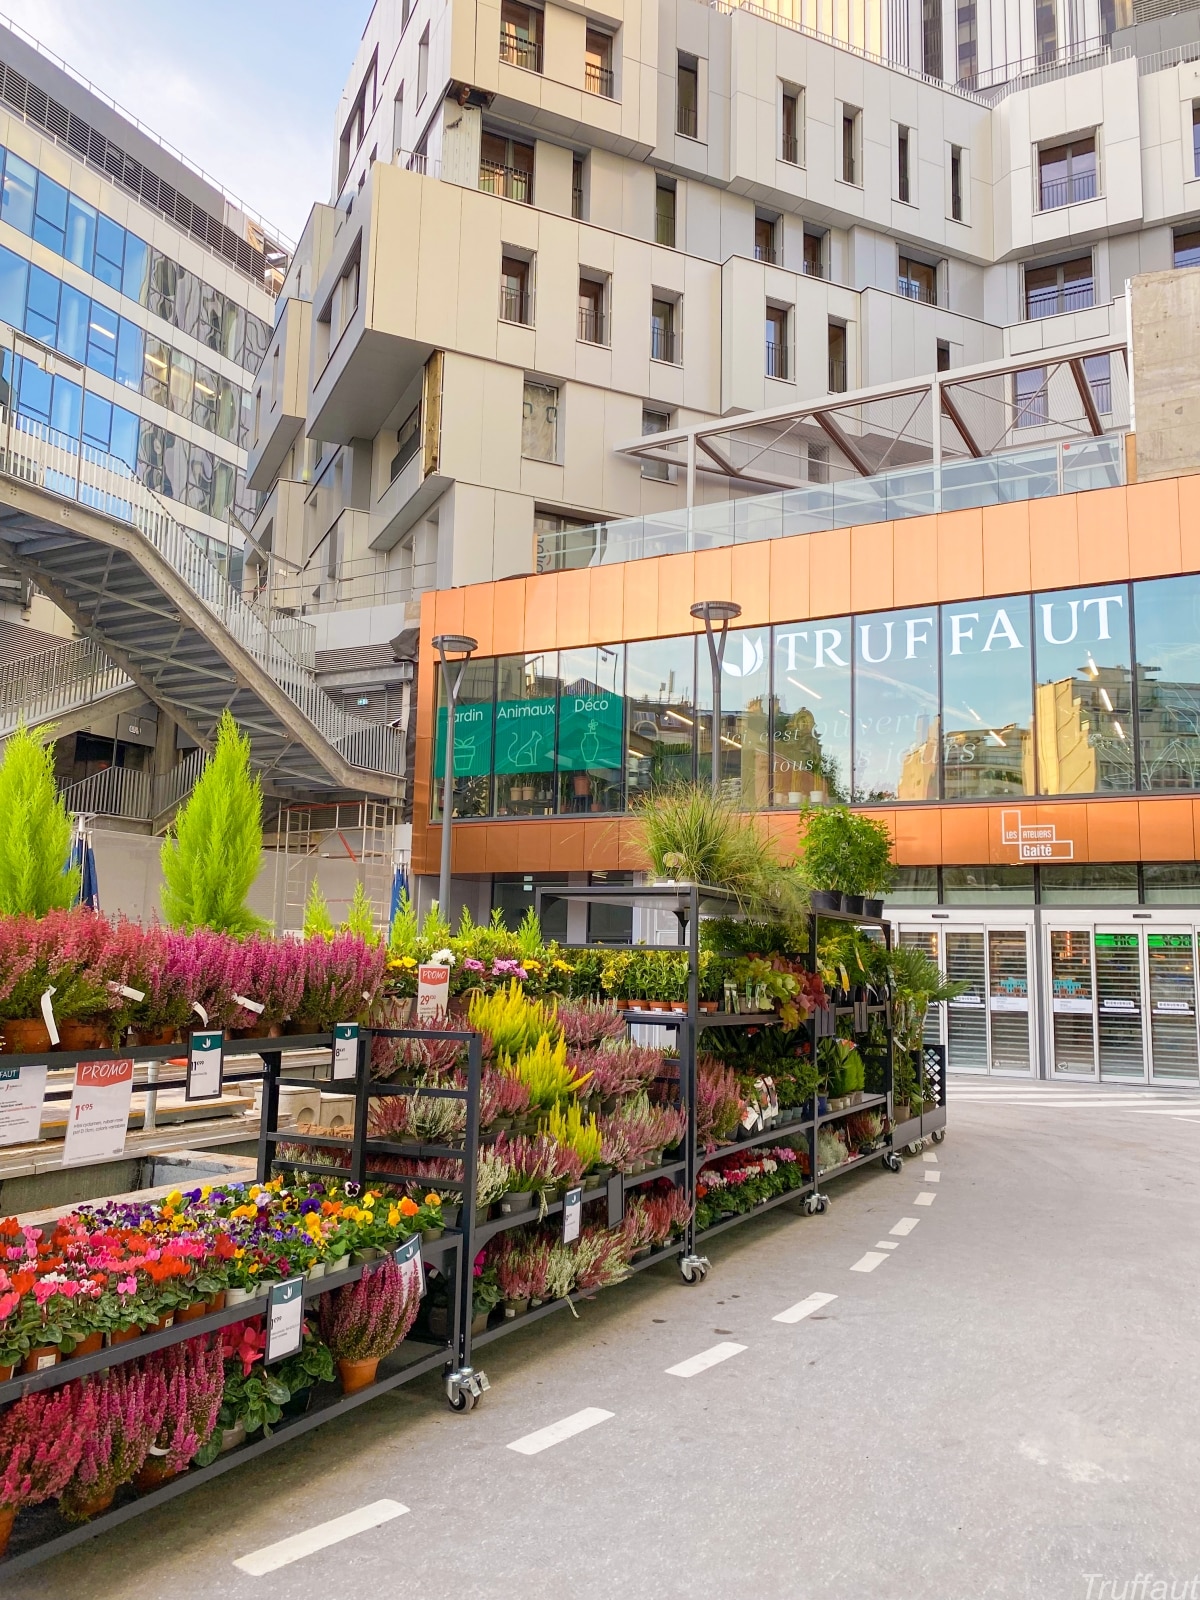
x=345 y=1050
x=206 y=1066
x=572 y=1214
x=285 y=1324
x=408 y=1258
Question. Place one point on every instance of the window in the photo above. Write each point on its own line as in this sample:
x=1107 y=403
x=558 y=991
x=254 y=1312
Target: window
x=903 y=190
x=539 y=424
x=896 y=754
x=506 y=168
x=1084 y=691
x=764 y=239
x=1029 y=398
x=931 y=38
x=987 y=699
x=50 y=214
x=744 y=769
x=790 y=122
x=1098 y=372
x=408 y=442
x=1067 y=286
x=405 y=13
x=526 y=717
x=943 y=355
x=80 y=241
x=1196 y=140
x=1168 y=634
x=130 y=340
x=811 y=709
x=1187 y=249
x=183 y=378
x=422 y=67
x=818 y=463
x=591 y=729
x=656 y=422
x=814 y=254
x=917 y=280
x=687 y=96
x=74 y=314
x=41 y=307
x=1045 y=25
x=956 y=183
x=516 y=302
x=968 y=42
x=777 y=341
x=662 y=331
x=567 y=543
x=356 y=123
x=837 y=358
x=597 y=63
x=661 y=713
x=593 y=324
x=664 y=215
x=20 y=180
x=520 y=35
x=850 y=127
x=1067 y=174
x=474 y=717
x=398 y=121
x=577 y=187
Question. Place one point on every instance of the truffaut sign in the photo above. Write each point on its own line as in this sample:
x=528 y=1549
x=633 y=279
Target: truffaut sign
x=1034 y=841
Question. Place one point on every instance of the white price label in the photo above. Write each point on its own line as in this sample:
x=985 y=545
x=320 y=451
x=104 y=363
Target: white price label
x=408 y=1258
x=285 y=1326
x=206 y=1066
x=22 y=1091
x=99 y=1113
x=345 y=1050
x=433 y=991
x=572 y=1214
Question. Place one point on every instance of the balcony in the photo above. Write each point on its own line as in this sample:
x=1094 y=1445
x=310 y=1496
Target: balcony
x=598 y=79
x=593 y=326
x=516 y=305
x=1055 y=193
x=837 y=374
x=766 y=252
x=662 y=345
x=523 y=53
x=912 y=289
x=510 y=183
x=777 y=360
x=790 y=151
x=1053 y=301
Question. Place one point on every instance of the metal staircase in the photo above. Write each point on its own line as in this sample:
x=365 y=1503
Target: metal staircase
x=106 y=550
x=56 y=685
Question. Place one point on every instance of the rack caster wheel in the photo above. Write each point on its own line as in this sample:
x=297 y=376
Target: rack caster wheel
x=914 y=1149
x=893 y=1162
x=693 y=1269
x=464 y=1388
x=464 y=1400
x=939 y=1135
x=816 y=1203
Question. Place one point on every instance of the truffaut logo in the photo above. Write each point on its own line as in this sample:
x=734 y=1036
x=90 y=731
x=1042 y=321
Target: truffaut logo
x=1034 y=841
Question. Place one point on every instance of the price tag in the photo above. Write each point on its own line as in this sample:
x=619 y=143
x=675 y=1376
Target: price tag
x=433 y=991
x=99 y=1113
x=22 y=1090
x=285 y=1324
x=572 y=1214
x=408 y=1258
x=345 y=1050
x=206 y=1066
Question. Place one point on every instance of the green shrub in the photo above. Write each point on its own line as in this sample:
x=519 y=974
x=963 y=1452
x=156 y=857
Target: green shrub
x=35 y=832
x=845 y=852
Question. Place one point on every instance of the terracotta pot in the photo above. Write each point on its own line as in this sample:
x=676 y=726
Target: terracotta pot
x=93 y=1508
x=167 y=1320
x=356 y=1375
x=89 y=1346
x=6 y=1373
x=124 y=1335
x=25 y=1036
x=260 y=1030
x=41 y=1357
x=217 y=1302
x=198 y=1308
x=8 y=1515
x=153 y=1474
x=79 y=1033
x=153 y=1035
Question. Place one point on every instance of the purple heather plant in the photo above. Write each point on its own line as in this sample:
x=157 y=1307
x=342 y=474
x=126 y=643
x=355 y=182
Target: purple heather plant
x=367 y=1319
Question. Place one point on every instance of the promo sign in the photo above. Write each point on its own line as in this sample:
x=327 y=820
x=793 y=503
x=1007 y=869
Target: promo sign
x=22 y=1090
x=99 y=1114
x=206 y=1066
x=433 y=991
x=345 y=1050
x=285 y=1323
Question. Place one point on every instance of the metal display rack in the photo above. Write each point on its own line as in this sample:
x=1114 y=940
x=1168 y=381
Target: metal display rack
x=930 y=1123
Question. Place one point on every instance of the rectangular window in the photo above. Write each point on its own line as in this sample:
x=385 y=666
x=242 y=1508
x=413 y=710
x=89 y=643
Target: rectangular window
x=903 y=189
x=591 y=729
x=183 y=379
x=1030 y=406
x=422 y=68
x=917 y=280
x=398 y=121
x=1168 y=677
x=791 y=114
x=968 y=43
x=516 y=302
x=764 y=239
x=520 y=36
x=577 y=187
x=109 y=264
x=135 y=276
x=987 y=699
x=130 y=342
x=931 y=38
x=564 y=544
x=506 y=168
x=943 y=356
x=1084 y=691
x=662 y=331
x=1066 y=174
x=897 y=745
x=956 y=183
x=539 y=424
x=41 y=309
x=661 y=712
x=526 y=718
x=80 y=242
x=664 y=215
x=687 y=96
x=814 y=254
x=837 y=358
x=597 y=63
x=156 y=378
x=1196 y=140
x=1045 y=25
x=811 y=710
x=20 y=180
x=1187 y=249
x=74 y=313
x=593 y=324
x=743 y=768
x=777 y=342
x=408 y=442
x=656 y=422
x=50 y=215
x=474 y=715
x=850 y=128
x=1067 y=286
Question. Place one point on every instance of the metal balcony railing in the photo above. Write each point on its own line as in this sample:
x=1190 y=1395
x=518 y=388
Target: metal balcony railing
x=593 y=326
x=518 y=52
x=42 y=687
x=837 y=374
x=777 y=360
x=664 y=229
x=1067 y=191
x=765 y=252
x=598 y=79
x=814 y=267
x=510 y=183
x=685 y=121
x=1051 y=302
x=790 y=150
x=516 y=305
x=913 y=289
x=662 y=344
x=112 y=792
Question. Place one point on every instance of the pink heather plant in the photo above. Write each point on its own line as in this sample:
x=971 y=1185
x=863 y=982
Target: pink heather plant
x=719 y=1103
x=500 y=1095
x=270 y=971
x=191 y=1378
x=587 y=1022
x=18 y=957
x=367 y=1319
x=118 y=1439
x=342 y=977
x=41 y=1438
x=666 y=1214
x=213 y=966
x=618 y=1070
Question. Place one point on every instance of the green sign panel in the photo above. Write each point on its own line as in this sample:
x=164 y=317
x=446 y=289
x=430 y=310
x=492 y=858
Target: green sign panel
x=1170 y=941
x=590 y=731
x=1117 y=941
x=472 y=742
x=525 y=735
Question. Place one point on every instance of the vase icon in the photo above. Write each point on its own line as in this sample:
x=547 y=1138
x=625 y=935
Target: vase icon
x=589 y=745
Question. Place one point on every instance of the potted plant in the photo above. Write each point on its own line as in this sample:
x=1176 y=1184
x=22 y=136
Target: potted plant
x=362 y=1322
x=41 y=1439
x=486 y=1294
x=299 y=1373
x=846 y=858
x=190 y=1379
x=124 y=1422
x=253 y=1396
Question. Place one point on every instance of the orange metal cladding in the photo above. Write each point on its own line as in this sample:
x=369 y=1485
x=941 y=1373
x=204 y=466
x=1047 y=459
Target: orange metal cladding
x=1106 y=535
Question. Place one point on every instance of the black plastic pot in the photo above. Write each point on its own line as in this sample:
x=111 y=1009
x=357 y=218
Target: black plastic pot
x=825 y=900
x=854 y=904
x=872 y=908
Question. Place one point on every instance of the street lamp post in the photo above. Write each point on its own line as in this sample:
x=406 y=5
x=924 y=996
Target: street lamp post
x=447 y=644
x=724 y=612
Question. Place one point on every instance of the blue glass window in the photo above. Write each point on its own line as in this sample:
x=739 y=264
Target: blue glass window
x=1084 y=691
x=14 y=281
x=102 y=340
x=129 y=355
x=81 y=233
x=97 y=421
x=896 y=706
x=50 y=214
x=135 y=279
x=812 y=711
x=34 y=392
x=123 y=438
x=74 y=310
x=987 y=698
x=110 y=251
x=65 y=407
x=41 y=306
x=17 y=204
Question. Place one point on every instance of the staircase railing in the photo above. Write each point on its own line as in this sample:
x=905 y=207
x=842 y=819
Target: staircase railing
x=174 y=786
x=112 y=792
x=61 y=465
x=41 y=687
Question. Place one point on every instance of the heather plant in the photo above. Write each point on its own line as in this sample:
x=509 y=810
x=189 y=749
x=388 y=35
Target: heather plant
x=270 y=971
x=41 y=1439
x=573 y=1132
x=342 y=977
x=586 y=1023
x=666 y=1214
x=213 y=853
x=205 y=963
x=601 y=1258
x=123 y=1426
x=614 y=1070
x=560 y=1272
x=719 y=1102
x=493 y=1175
x=367 y=1319
x=511 y=1023
x=500 y=1095
x=35 y=841
x=533 y=1160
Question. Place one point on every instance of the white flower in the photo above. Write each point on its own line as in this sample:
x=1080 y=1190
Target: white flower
x=442 y=958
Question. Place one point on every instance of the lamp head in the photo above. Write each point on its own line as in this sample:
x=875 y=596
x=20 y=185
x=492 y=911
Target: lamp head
x=454 y=644
x=716 y=610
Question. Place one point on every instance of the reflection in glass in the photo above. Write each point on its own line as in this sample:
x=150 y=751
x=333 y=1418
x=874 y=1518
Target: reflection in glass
x=661 y=713
x=811 y=708
x=987 y=886
x=1168 y=675
x=1089 y=883
x=472 y=742
x=744 y=770
x=987 y=699
x=591 y=728
x=895 y=707
x=1084 y=721
x=156 y=382
x=526 y=714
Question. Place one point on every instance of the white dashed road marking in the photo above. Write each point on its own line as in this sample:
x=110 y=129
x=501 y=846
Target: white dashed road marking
x=273 y=1556
x=925 y=1199
x=930 y=1157
x=869 y=1262
x=886 y=1244
x=933 y=1177
x=706 y=1359
x=804 y=1308
x=533 y=1443
x=906 y=1225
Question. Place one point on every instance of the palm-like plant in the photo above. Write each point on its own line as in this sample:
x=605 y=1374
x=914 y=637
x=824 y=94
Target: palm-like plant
x=917 y=984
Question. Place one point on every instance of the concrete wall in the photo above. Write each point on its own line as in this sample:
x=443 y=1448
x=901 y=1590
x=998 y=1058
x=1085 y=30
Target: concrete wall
x=1166 y=372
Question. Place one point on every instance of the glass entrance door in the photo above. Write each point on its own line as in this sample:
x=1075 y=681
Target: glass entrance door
x=1073 y=1034
x=1008 y=1000
x=966 y=1016
x=1171 y=967
x=1119 y=1006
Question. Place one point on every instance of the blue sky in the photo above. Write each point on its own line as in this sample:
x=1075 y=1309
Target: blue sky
x=246 y=90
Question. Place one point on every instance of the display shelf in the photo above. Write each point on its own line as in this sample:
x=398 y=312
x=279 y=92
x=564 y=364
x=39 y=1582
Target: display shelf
x=669 y=1169
x=799 y=1193
x=869 y=1102
x=779 y=1135
x=878 y=1154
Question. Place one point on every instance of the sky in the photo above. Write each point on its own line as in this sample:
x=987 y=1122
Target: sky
x=246 y=89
